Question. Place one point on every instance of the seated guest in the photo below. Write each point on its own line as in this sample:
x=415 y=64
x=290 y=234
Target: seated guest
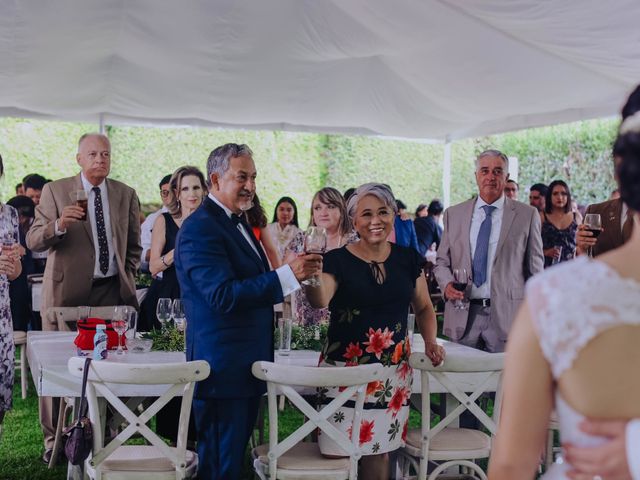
x=511 y=189
x=328 y=211
x=559 y=224
x=257 y=220
x=19 y=291
x=19 y=189
x=428 y=229
x=285 y=224
x=187 y=188
x=404 y=233
x=371 y=283
x=147 y=225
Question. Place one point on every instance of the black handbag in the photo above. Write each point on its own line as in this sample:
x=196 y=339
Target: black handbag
x=79 y=436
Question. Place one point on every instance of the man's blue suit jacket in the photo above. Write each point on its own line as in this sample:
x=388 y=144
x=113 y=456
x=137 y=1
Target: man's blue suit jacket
x=228 y=294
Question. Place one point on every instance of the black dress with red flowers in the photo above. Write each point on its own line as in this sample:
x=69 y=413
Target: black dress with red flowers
x=369 y=324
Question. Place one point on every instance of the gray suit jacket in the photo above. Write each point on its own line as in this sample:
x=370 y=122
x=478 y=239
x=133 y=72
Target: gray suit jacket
x=518 y=257
x=69 y=272
x=610 y=216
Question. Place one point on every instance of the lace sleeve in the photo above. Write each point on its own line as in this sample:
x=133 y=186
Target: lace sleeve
x=572 y=303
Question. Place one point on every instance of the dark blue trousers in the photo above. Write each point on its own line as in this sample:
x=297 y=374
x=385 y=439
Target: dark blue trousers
x=224 y=426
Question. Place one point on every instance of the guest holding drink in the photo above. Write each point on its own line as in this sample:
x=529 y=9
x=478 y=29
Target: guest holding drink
x=187 y=189
x=559 y=224
x=368 y=286
x=285 y=224
x=328 y=211
x=10 y=269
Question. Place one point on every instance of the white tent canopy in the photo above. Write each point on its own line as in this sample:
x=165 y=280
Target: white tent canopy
x=424 y=69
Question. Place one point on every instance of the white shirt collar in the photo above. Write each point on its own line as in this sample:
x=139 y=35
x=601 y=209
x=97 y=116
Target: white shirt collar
x=88 y=186
x=219 y=203
x=498 y=203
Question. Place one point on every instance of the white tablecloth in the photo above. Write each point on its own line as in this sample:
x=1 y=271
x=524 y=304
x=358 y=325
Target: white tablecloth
x=49 y=352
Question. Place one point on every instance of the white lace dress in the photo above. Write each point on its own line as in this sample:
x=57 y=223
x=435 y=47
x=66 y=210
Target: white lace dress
x=570 y=305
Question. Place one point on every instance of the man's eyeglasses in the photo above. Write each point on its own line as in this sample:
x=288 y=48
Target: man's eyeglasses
x=164 y=193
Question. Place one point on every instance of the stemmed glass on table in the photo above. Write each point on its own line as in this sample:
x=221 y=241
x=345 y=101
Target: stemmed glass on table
x=119 y=322
x=163 y=311
x=461 y=279
x=178 y=315
x=315 y=241
x=593 y=222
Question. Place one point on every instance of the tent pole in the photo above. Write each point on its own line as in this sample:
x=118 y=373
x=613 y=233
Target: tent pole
x=101 y=120
x=446 y=173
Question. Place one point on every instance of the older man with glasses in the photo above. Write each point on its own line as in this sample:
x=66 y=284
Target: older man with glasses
x=147 y=225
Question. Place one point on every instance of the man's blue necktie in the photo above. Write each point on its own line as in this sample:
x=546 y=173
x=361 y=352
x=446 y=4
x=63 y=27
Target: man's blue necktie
x=482 y=248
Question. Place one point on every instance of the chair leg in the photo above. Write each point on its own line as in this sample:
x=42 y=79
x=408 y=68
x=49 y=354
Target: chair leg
x=58 y=438
x=63 y=413
x=24 y=372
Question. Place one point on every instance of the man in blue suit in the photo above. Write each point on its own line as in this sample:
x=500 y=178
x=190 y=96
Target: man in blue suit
x=228 y=294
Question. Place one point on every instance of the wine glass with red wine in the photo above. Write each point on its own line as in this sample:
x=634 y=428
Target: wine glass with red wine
x=593 y=222
x=461 y=279
x=315 y=241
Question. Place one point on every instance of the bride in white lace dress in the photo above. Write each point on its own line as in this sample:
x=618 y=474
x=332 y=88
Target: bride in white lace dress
x=575 y=344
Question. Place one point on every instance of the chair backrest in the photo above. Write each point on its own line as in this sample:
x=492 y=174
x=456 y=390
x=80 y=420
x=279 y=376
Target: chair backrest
x=282 y=379
x=66 y=317
x=487 y=371
x=180 y=379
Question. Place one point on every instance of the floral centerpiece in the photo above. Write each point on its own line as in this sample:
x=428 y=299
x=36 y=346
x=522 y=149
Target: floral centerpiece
x=309 y=337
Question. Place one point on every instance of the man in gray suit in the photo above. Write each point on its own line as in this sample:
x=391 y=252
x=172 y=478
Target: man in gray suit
x=497 y=240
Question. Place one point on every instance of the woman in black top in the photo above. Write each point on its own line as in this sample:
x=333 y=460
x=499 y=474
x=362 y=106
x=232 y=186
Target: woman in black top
x=368 y=286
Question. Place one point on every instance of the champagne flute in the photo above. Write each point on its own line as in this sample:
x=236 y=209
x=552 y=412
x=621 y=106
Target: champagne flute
x=177 y=313
x=593 y=222
x=315 y=241
x=460 y=282
x=163 y=311
x=119 y=324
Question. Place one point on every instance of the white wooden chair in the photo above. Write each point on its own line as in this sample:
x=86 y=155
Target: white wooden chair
x=20 y=341
x=157 y=460
x=66 y=319
x=445 y=444
x=291 y=458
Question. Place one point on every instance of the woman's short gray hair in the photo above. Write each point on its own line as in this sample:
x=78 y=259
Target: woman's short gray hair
x=379 y=190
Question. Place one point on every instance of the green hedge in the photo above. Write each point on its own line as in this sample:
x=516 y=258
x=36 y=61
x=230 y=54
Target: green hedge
x=297 y=164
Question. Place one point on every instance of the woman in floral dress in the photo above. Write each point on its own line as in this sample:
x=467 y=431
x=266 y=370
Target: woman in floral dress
x=328 y=211
x=369 y=285
x=10 y=269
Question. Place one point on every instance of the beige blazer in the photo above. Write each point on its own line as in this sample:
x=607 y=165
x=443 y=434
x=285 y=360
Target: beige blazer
x=518 y=257
x=69 y=272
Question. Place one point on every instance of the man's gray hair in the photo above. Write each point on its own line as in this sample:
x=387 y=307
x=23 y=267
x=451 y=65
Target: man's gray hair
x=84 y=136
x=379 y=190
x=494 y=153
x=220 y=157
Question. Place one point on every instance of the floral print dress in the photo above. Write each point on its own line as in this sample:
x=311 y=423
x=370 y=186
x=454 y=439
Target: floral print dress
x=369 y=324
x=8 y=227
